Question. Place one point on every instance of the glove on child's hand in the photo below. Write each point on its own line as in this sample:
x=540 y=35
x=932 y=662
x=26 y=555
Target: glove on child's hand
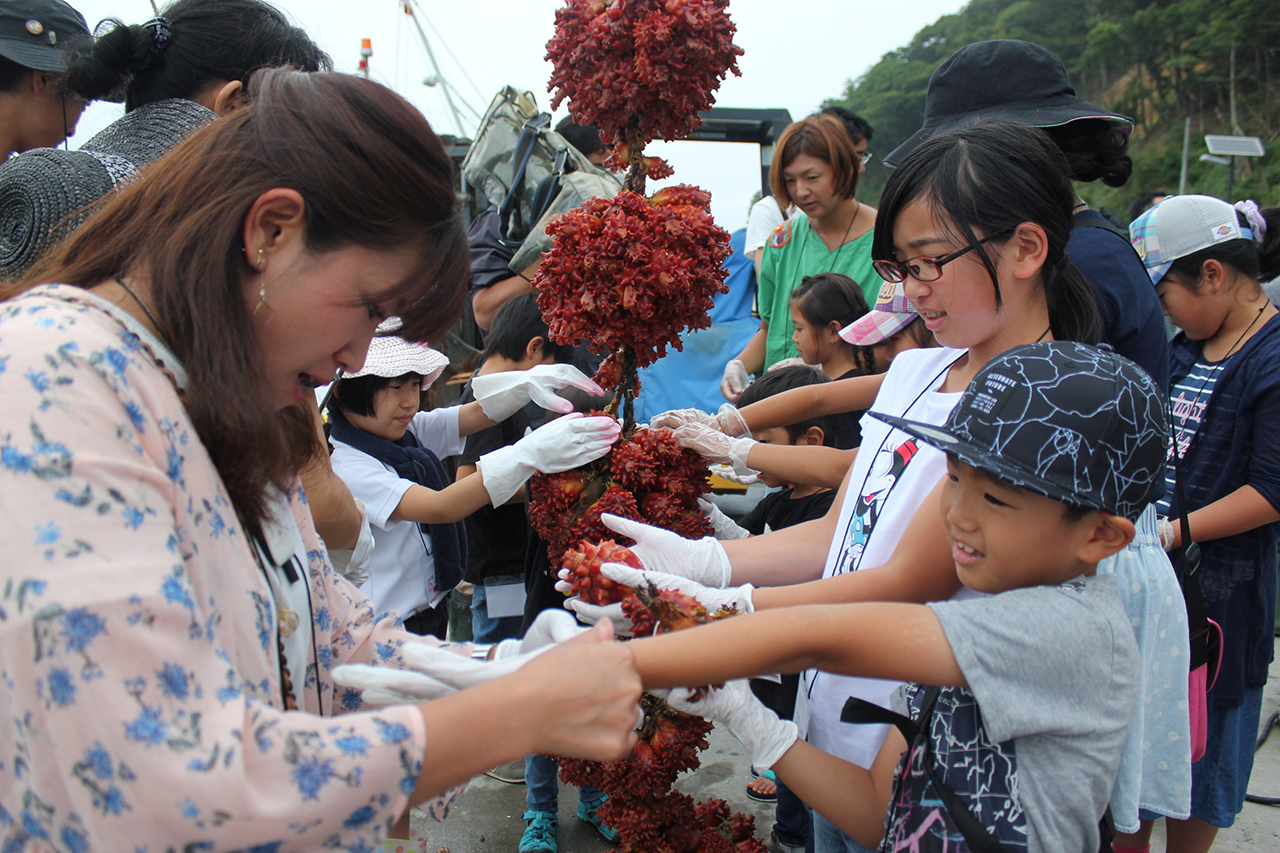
x=735 y=380
x=567 y=442
x=734 y=706
x=501 y=395
x=673 y=418
x=717 y=446
x=722 y=526
x=703 y=560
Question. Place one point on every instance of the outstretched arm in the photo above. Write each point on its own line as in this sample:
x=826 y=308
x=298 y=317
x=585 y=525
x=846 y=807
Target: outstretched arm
x=1241 y=511
x=920 y=570
x=903 y=642
x=828 y=398
x=453 y=503
x=809 y=465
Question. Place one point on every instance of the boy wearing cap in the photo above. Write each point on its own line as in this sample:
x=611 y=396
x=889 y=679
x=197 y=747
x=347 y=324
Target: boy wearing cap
x=1053 y=451
x=36 y=37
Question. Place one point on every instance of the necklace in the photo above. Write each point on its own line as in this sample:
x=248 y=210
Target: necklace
x=1043 y=334
x=843 y=243
x=145 y=310
x=1246 y=331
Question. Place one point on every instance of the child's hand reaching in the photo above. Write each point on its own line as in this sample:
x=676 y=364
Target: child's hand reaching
x=713 y=599
x=501 y=395
x=722 y=526
x=717 y=446
x=702 y=560
x=734 y=706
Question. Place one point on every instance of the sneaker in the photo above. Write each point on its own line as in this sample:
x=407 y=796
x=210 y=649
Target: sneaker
x=588 y=813
x=776 y=846
x=539 y=832
x=511 y=772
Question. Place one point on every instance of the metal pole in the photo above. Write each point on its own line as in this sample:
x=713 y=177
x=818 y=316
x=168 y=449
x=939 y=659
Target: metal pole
x=1186 y=152
x=1231 y=178
x=444 y=85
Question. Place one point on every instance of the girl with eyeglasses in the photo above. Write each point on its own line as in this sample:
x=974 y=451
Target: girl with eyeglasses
x=975 y=224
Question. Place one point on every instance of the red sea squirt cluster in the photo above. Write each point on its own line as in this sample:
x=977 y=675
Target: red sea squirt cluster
x=660 y=59
x=631 y=271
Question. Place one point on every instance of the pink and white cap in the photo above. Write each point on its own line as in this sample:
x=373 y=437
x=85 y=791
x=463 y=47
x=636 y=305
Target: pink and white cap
x=892 y=313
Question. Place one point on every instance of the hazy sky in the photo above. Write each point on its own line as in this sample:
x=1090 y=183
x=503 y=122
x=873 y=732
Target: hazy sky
x=797 y=55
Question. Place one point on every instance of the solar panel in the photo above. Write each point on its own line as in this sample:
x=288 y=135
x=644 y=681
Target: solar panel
x=1235 y=146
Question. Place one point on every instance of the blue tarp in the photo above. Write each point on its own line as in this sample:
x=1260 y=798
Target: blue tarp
x=691 y=379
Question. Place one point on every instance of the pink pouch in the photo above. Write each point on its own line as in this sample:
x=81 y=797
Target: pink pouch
x=1200 y=681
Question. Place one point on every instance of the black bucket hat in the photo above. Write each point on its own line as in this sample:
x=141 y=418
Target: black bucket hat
x=1075 y=423
x=37 y=34
x=1000 y=79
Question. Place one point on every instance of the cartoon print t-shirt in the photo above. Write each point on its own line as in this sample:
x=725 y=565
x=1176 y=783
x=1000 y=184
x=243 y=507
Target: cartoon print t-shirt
x=891 y=477
x=1032 y=745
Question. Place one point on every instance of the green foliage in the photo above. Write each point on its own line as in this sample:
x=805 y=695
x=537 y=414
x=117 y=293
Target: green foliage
x=1159 y=61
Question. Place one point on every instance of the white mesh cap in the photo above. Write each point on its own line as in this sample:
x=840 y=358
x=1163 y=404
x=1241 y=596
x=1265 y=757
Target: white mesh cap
x=1180 y=226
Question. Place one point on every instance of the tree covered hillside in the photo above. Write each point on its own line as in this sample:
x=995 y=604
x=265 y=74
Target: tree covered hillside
x=1216 y=62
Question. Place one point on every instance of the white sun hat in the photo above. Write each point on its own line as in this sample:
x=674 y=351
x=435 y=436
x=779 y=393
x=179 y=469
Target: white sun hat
x=391 y=355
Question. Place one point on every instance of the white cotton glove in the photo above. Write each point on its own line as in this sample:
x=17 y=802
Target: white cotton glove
x=673 y=418
x=501 y=395
x=436 y=670
x=1164 y=529
x=567 y=442
x=550 y=628
x=384 y=685
x=735 y=380
x=724 y=527
x=431 y=671
x=717 y=447
x=702 y=560
x=713 y=599
x=734 y=706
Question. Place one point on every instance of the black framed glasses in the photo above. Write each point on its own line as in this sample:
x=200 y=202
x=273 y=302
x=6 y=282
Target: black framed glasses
x=925 y=269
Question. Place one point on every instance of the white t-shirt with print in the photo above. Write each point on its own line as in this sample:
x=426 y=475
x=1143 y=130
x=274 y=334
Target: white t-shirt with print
x=892 y=475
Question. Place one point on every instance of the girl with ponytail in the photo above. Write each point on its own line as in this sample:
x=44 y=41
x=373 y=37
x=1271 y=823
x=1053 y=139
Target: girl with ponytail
x=196 y=50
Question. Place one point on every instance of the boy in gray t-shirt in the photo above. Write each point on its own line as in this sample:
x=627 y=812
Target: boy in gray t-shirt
x=1052 y=453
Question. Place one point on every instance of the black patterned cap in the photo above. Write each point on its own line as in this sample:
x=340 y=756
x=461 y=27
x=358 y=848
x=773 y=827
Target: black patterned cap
x=1075 y=423
x=37 y=33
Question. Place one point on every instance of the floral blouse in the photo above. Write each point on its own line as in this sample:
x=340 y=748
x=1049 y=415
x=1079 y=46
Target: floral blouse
x=142 y=702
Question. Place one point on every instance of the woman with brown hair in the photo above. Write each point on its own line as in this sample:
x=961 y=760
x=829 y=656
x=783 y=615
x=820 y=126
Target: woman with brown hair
x=815 y=167
x=169 y=621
